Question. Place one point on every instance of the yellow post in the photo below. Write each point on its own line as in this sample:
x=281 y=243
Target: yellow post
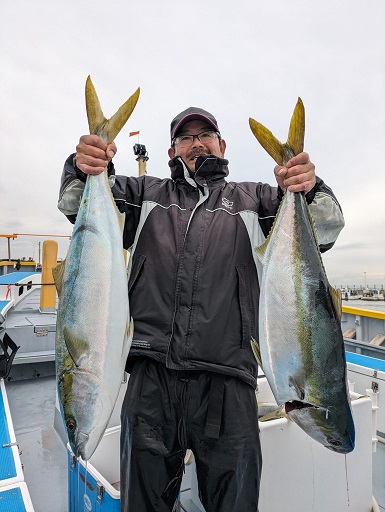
x=142 y=161
x=48 y=290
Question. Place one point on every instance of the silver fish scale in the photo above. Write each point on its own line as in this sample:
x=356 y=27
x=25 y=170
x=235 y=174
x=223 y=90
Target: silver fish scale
x=301 y=343
x=94 y=309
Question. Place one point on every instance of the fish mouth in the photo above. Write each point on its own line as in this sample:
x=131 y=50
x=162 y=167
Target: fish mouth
x=323 y=427
x=295 y=405
x=80 y=441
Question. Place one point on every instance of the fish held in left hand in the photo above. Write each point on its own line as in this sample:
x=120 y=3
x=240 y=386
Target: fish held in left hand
x=300 y=346
x=94 y=327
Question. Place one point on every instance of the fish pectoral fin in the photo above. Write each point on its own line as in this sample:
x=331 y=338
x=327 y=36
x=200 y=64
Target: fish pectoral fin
x=267 y=140
x=336 y=296
x=78 y=348
x=297 y=128
x=256 y=351
x=298 y=388
x=274 y=415
x=58 y=273
x=107 y=129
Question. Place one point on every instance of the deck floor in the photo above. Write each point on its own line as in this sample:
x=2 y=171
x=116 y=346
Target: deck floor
x=379 y=475
x=44 y=456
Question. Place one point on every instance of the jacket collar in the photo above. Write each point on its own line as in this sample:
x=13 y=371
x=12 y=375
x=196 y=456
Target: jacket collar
x=210 y=170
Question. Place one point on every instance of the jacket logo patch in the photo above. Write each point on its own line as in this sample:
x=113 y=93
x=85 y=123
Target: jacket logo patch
x=227 y=203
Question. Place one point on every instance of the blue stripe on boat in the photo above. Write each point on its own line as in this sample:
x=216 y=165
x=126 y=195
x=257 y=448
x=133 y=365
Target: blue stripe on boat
x=7 y=463
x=368 y=362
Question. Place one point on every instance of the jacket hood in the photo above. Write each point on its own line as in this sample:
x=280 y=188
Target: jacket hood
x=209 y=169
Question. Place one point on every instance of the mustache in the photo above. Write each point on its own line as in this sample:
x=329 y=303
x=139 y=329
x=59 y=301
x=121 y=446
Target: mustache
x=197 y=152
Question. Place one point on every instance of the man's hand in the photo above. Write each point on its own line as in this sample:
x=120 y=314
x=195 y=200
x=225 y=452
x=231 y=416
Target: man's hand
x=298 y=175
x=93 y=154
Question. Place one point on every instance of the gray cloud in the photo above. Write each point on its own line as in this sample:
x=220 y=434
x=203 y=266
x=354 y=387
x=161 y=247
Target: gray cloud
x=236 y=59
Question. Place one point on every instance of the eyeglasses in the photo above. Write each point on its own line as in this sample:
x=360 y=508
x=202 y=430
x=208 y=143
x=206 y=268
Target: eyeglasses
x=204 y=137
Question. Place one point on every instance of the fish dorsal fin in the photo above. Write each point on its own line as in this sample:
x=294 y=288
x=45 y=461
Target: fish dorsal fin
x=121 y=219
x=261 y=250
x=282 y=153
x=296 y=135
x=58 y=273
x=336 y=296
x=128 y=337
x=107 y=129
x=78 y=348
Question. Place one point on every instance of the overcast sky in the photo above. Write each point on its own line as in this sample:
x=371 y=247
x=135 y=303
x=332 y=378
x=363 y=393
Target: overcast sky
x=237 y=59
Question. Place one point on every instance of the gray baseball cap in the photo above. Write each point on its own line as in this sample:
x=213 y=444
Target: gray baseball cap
x=190 y=114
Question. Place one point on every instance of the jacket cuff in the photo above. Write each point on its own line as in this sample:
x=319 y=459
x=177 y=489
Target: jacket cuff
x=311 y=194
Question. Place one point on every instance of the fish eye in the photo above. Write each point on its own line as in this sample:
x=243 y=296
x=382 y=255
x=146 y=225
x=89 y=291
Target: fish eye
x=71 y=425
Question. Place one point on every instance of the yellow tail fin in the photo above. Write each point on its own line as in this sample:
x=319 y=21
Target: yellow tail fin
x=281 y=153
x=107 y=129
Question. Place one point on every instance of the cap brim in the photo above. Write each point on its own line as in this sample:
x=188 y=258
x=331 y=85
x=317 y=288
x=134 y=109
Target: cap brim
x=193 y=117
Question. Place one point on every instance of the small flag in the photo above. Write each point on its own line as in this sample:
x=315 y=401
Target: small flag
x=133 y=133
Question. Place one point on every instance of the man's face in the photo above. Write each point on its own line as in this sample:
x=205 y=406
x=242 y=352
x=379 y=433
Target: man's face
x=191 y=152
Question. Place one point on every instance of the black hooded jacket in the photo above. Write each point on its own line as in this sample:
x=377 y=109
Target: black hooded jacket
x=193 y=271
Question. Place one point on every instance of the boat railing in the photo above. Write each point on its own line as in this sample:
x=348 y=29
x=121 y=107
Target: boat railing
x=14 y=286
x=363 y=325
x=364 y=348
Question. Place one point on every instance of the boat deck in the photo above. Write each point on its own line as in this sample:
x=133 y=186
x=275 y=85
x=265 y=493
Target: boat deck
x=42 y=453
x=44 y=456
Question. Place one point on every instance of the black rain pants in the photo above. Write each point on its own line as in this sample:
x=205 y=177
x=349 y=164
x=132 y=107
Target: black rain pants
x=167 y=411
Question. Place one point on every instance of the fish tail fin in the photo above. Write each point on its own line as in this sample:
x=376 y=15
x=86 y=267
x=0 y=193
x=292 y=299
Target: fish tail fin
x=267 y=140
x=296 y=135
x=107 y=129
x=128 y=338
x=282 y=153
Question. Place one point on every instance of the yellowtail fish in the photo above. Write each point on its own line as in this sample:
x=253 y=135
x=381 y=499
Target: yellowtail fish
x=300 y=344
x=94 y=328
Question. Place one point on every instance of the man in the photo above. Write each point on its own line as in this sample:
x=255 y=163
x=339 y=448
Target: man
x=194 y=290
